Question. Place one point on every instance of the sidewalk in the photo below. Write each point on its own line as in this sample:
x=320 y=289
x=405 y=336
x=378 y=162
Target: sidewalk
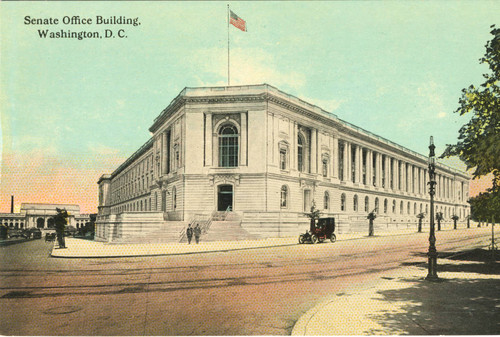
x=81 y=248
x=465 y=301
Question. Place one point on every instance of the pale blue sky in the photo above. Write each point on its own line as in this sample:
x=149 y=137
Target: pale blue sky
x=393 y=68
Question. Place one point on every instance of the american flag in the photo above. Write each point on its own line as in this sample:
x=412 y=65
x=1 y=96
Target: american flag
x=238 y=22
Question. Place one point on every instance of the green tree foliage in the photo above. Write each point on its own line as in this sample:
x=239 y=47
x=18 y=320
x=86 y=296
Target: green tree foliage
x=479 y=140
x=486 y=206
x=60 y=221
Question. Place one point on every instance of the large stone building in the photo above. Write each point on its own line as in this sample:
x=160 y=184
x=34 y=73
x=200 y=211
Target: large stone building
x=258 y=158
x=40 y=215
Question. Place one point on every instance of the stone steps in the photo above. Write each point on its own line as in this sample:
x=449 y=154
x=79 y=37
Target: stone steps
x=226 y=230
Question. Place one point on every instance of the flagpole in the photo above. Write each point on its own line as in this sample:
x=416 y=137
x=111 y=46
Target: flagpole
x=228 y=78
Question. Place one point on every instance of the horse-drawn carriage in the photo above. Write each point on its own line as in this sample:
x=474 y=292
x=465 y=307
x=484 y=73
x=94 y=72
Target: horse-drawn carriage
x=322 y=230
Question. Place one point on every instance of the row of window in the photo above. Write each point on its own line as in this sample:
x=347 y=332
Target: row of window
x=447 y=211
x=146 y=205
x=414 y=178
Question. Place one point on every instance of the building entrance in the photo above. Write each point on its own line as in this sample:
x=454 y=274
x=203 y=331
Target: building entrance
x=225 y=197
x=40 y=223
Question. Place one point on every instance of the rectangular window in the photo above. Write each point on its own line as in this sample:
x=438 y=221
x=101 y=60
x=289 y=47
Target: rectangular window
x=325 y=167
x=391 y=173
x=383 y=171
x=283 y=159
x=353 y=163
x=363 y=159
x=374 y=169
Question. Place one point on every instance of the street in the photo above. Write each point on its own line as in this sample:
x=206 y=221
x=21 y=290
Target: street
x=247 y=292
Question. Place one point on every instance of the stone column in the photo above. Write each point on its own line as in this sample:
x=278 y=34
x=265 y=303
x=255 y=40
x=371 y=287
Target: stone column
x=387 y=172
x=348 y=153
x=293 y=145
x=379 y=170
x=243 y=138
x=422 y=179
x=164 y=152
x=335 y=161
x=345 y=165
x=369 y=172
x=313 y=148
x=356 y=164
x=208 y=139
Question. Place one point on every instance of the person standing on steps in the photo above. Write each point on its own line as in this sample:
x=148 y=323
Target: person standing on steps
x=197 y=233
x=189 y=233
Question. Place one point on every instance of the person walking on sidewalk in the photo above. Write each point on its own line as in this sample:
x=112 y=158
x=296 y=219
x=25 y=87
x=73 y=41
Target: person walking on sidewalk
x=197 y=233
x=189 y=233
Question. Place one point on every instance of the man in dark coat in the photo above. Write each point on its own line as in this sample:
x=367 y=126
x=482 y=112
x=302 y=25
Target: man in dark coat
x=197 y=233
x=189 y=233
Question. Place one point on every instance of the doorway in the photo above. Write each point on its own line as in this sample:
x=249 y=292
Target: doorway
x=225 y=198
x=40 y=223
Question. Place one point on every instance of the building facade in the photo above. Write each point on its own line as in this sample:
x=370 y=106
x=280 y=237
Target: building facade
x=40 y=215
x=266 y=157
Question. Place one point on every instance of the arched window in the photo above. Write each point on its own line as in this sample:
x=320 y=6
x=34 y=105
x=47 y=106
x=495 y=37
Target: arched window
x=415 y=208
x=228 y=146
x=284 y=196
x=300 y=154
x=355 y=203
x=385 y=206
x=426 y=209
x=401 y=207
x=394 y=206
x=367 y=205
x=326 y=200
x=420 y=208
x=408 y=208
x=342 y=202
x=376 y=204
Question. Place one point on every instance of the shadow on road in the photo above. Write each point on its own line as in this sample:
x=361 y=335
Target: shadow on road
x=464 y=304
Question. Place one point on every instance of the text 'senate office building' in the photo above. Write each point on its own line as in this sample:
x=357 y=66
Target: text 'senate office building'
x=248 y=161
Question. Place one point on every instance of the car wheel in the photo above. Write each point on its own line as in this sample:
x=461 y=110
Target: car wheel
x=333 y=238
x=301 y=239
x=314 y=239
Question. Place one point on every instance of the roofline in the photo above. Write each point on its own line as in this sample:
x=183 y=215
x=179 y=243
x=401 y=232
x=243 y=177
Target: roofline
x=294 y=100
x=45 y=203
x=143 y=149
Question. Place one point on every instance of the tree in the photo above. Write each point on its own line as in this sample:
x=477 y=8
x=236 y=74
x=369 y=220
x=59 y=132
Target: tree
x=439 y=217
x=478 y=143
x=420 y=216
x=371 y=216
x=454 y=218
x=60 y=221
x=486 y=206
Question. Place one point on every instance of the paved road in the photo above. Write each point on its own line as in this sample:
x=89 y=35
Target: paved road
x=259 y=291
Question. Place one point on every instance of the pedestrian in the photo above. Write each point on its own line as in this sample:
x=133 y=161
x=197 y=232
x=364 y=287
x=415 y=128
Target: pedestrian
x=197 y=233
x=189 y=233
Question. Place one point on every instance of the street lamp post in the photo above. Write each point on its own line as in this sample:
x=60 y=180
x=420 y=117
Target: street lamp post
x=432 y=253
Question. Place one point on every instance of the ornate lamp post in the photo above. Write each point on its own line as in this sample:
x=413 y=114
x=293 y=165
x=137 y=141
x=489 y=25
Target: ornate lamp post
x=432 y=253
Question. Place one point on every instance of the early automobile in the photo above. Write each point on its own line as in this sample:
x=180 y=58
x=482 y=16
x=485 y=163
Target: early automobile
x=36 y=233
x=50 y=237
x=322 y=230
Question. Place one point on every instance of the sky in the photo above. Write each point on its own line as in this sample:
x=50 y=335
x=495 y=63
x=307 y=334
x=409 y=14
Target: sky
x=72 y=110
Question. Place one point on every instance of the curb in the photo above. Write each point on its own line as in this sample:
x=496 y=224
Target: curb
x=13 y=242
